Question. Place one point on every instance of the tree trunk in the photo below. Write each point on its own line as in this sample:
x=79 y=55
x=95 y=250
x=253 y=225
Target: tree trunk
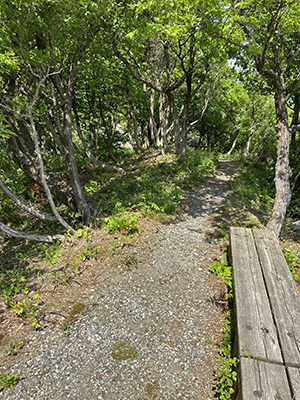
x=176 y=126
x=66 y=95
x=41 y=165
x=184 y=126
x=59 y=188
x=233 y=145
x=135 y=130
x=25 y=134
x=107 y=131
x=247 y=148
x=71 y=164
x=162 y=130
x=136 y=142
x=131 y=141
x=89 y=154
x=110 y=136
x=152 y=124
x=282 y=174
x=55 y=137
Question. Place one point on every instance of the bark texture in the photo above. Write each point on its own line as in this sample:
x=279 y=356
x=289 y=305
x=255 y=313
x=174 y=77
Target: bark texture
x=28 y=236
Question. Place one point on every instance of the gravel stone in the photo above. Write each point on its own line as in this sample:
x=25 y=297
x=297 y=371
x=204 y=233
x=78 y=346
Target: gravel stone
x=164 y=309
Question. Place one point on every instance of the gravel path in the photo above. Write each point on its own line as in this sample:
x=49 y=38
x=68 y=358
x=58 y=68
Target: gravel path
x=164 y=310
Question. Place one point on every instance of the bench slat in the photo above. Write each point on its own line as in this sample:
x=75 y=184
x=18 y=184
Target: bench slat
x=294 y=377
x=256 y=334
x=283 y=294
x=262 y=380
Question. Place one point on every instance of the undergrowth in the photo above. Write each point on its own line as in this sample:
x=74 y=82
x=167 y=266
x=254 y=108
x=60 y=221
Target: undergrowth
x=8 y=380
x=227 y=373
x=293 y=261
x=151 y=187
x=254 y=186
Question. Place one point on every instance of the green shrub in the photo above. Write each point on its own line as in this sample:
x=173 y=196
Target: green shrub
x=126 y=223
x=8 y=380
x=151 y=188
x=224 y=271
x=293 y=261
x=254 y=186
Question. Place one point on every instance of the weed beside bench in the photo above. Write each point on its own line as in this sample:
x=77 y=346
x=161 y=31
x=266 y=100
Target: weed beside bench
x=267 y=309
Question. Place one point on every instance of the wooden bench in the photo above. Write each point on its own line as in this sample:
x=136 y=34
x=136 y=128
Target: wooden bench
x=267 y=309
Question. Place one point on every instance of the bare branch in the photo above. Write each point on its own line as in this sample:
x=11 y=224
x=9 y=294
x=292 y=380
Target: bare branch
x=24 y=206
x=138 y=77
x=42 y=174
x=294 y=128
x=28 y=236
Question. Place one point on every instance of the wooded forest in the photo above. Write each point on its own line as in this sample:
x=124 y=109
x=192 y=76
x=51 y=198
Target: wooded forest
x=87 y=84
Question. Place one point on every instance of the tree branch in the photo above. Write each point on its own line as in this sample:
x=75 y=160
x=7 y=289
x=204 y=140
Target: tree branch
x=133 y=73
x=24 y=206
x=29 y=236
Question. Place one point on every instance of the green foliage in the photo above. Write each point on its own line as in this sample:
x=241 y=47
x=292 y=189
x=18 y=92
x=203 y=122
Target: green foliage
x=253 y=223
x=30 y=311
x=293 y=261
x=130 y=261
x=14 y=347
x=89 y=252
x=5 y=132
x=253 y=186
x=9 y=380
x=155 y=188
x=227 y=372
x=12 y=281
x=126 y=223
x=53 y=254
x=224 y=271
x=123 y=351
x=227 y=377
x=67 y=270
x=84 y=233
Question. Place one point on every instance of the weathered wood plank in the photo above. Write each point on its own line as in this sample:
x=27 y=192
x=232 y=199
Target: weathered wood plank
x=256 y=333
x=294 y=378
x=283 y=294
x=262 y=380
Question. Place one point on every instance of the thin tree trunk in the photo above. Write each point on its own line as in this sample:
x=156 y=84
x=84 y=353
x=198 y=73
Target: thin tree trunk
x=55 y=137
x=282 y=174
x=41 y=165
x=176 y=126
x=161 y=133
x=59 y=188
x=110 y=137
x=71 y=164
x=233 y=145
x=247 y=148
x=28 y=208
x=152 y=124
x=89 y=154
x=131 y=141
x=184 y=126
x=107 y=131
x=137 y=145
